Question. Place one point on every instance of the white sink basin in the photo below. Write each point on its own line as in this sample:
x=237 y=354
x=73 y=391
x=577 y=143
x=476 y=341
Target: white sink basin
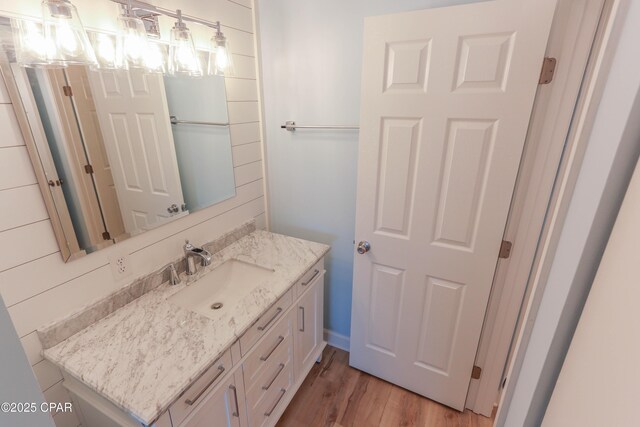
x=227 y=285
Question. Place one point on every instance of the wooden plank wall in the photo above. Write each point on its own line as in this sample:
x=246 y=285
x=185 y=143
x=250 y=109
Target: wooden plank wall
x=38 y=287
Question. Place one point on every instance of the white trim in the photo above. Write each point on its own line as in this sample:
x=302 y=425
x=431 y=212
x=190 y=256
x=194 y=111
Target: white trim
x=261 y=112
x=337 y=340
x=571 y=39
x=579 y=222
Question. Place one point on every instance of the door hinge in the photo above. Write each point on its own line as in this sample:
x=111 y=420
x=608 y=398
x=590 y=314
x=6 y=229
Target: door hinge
x=106 y=236
x=505 y=249
x=548 y=69
x=67 y=90
x=88 y=169
x=476 y=372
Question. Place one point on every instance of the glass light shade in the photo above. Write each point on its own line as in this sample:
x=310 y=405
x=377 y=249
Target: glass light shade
x=220 y=58
x=183 y=58
x=63 y=28
x=108 y=52
x=31 y=47
x=133 y=41
x=156 y=57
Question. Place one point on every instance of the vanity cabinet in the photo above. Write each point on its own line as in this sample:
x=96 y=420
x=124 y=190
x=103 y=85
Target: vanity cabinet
x=269 y=372
x=278 y=351
x=222 y=407
x=252 y=382
x=309 y=330
x=198 y=391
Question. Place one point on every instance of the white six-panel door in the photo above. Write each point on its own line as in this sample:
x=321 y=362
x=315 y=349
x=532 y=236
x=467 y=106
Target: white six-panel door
x=446 y=99
x=134 y=118
x=78 y=78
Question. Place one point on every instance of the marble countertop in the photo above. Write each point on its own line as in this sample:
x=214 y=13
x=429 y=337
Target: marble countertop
x=144 y=355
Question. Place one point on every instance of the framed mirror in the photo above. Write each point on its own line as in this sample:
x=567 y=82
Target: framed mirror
x=120 y=152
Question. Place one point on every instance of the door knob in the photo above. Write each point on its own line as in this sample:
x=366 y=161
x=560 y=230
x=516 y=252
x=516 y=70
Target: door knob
x=363 y=247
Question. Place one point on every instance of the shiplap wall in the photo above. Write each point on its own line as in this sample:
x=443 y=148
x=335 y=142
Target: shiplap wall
x=37 y=286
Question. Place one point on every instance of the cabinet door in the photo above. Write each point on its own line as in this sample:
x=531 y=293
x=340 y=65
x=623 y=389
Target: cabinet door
x=309 y=325
x=220 y=408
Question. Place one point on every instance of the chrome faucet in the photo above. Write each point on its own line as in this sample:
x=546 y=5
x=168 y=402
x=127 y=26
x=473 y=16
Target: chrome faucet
x=192 y=252
x=174 y=279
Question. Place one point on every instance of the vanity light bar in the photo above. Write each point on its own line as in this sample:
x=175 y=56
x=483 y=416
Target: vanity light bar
x=148 y=7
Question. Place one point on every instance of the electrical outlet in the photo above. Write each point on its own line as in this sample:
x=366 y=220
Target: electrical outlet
x=120 y=266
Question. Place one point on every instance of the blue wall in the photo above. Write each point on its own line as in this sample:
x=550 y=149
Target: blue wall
x=311 y=55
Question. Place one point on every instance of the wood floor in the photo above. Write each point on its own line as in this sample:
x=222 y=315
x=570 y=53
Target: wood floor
x=336 y=395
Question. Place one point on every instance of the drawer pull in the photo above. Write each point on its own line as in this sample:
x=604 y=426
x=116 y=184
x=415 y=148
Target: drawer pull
x=195 y=399
x=235 y=399
x=302 y=329
x=315 y=273
x=265 y=357
x=266 y=387
x=282 y=393
x=266 y=325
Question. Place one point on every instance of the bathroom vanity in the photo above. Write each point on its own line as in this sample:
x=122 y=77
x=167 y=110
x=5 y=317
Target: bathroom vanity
x=228 y=346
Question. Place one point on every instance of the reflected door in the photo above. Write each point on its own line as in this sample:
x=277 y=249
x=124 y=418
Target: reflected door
x=446 y=99
x=133 y=116
x=87 y=116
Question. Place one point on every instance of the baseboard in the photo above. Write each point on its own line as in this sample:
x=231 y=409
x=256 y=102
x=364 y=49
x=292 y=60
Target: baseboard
x=337 y=340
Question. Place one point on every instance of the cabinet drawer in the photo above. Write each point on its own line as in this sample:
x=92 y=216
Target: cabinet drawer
x=199 y=389
x=269 y=406
x=266 y=321
x=305 y=282
x=266 y=350
x=265 y=380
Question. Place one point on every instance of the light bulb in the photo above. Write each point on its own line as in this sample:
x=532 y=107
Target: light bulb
x=220 y=60
x=66 y=40
x=106 y=50
x=108 y=55
x=31 y=46
x=35 y=41
x=186 y=58
x=132 y=40
x=154 y=58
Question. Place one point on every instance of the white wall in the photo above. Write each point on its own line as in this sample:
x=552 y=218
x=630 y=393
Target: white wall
x=34 y=282
x=599 y=379
x=312 y=54
x=611 y=155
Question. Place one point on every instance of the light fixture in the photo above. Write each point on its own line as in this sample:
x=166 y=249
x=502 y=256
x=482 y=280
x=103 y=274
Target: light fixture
x=31 y=47
x=220 y=60
x=132 y=40
x=151 y=24
x=108 y=52
x=183 y=58
x=156 y=57
x=63 y=28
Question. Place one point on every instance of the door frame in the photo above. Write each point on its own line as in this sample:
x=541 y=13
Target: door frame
x=504 y=331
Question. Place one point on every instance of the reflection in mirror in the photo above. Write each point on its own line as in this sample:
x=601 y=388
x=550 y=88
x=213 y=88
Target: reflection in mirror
x=202 y=141
x=124 y=151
